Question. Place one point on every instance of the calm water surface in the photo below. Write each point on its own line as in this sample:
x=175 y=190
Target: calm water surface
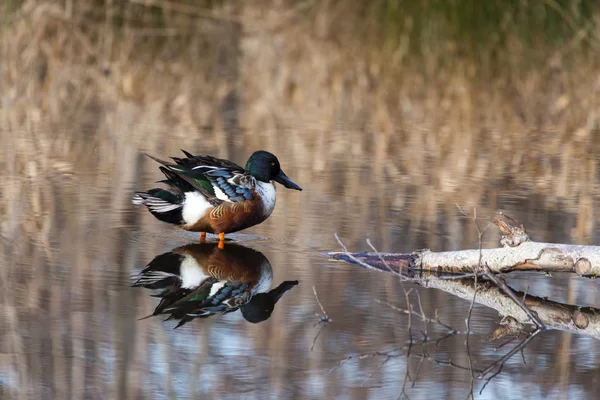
x=70 y=325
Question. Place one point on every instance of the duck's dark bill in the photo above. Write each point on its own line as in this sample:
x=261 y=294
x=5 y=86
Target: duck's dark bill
x=285 y=181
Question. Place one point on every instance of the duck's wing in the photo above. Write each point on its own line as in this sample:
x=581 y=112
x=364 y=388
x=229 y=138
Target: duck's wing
x=192 y=161
x=218 y=298
x=213 y=179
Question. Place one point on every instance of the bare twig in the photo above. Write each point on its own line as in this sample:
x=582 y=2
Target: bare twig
x=437 y=321
x=422 y=314
x=491 y=377
x=406 y=372
x=466 y=214
x=468 y=324
x=366 y=355
x=423 y=317
x=419 y=368
x=399 y=353
x=323 y=319
x=407 y=297
x=350 y=256
x=508 y=355
x=382 y=259
x=317 y=335
x=480 y=234
x=376 y=371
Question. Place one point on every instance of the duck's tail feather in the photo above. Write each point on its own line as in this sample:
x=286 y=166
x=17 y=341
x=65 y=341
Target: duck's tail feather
x=163 y=204
x=182 y=182
x=181 y=177
x=187 y=153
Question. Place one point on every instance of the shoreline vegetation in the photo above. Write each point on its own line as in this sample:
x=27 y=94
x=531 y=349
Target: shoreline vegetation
x=449 y=97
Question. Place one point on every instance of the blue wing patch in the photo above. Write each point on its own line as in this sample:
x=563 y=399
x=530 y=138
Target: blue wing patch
x=235 y=189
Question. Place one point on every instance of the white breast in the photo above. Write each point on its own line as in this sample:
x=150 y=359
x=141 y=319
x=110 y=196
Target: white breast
x=266 y=191
x=194 y=207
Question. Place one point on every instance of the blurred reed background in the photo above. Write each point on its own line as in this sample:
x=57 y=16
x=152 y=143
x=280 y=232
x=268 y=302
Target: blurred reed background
x=485 y=104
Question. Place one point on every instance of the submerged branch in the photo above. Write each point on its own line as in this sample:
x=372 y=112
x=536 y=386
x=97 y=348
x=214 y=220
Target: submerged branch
x=553 y=315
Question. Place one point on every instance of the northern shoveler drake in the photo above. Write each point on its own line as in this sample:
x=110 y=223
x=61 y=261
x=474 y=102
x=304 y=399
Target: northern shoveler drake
x=209 y=194
x=200 y=280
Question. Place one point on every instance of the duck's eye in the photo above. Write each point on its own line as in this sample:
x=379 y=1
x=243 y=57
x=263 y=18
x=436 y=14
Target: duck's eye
x=273 y=164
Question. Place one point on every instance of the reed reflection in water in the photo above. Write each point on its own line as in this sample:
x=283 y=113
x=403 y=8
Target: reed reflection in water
x=71 y=326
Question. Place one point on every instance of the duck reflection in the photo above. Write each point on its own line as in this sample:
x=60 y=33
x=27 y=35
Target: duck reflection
x=199 y=280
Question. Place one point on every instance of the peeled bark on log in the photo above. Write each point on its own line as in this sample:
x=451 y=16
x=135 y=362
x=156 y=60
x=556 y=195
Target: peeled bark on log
x=527 y=256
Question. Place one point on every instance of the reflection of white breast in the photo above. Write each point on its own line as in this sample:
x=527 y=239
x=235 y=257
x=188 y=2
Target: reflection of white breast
x=191 y=273
x=266 y=278
x=266 y=191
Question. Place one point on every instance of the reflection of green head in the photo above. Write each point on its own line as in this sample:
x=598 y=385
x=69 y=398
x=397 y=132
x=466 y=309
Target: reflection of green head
x=260 y=307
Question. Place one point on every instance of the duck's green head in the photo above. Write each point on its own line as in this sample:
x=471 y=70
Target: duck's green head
x=265 y=167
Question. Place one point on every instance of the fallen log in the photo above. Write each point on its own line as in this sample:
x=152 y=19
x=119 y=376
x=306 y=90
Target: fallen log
x=527 y=256
x=473 y=275
x=554 y=315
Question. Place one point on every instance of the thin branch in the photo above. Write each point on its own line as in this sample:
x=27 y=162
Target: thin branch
x=406 y=372
x=419 y=368
x=395 y=353
x=508 y=291
x=317 y=335
x=409 y=327
x=323 y=319
x=468 y=324
x=423 y=317
x=366 y=355
x=350 y=256
x=437 y=321
x=480 y=234
x=508 y=355
x=376 y=371
x=382 y=259
x=491 y=377
x=321 y=305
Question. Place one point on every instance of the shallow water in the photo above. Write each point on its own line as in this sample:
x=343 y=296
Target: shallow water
x=70 y=325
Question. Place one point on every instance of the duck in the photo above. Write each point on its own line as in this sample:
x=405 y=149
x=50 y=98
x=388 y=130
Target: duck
x=207 y=194
x=199 y=280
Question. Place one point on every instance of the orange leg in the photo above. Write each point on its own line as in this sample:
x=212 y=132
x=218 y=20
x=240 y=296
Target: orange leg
x=222 y=240
x=202 y=237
